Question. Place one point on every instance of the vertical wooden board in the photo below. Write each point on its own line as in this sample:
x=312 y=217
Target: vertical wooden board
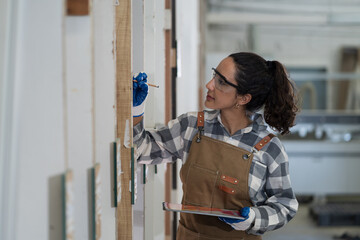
x=68 y=206
x=202 y=52
x=159 y=58
x=123 y=114
x=168 y=86
x=118 y=172
x=104 y=106
x=97 y=201
x=97 y=208
x=168 y=114
x=138 y=61
x=116 y=163
x=150 y=31
x=55 y=207
x=77 y=7
x=79 y=113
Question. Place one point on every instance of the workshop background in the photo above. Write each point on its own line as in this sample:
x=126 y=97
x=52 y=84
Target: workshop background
x=59 y=111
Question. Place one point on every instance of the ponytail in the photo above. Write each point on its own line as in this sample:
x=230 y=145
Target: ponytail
x=269 y=86
x=280 y=106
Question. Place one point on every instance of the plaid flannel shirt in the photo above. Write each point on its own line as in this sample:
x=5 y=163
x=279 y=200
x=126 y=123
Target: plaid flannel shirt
x=269 y=182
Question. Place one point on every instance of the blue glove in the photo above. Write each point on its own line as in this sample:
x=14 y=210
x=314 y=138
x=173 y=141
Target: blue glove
x=140 y=92
x=241 y=224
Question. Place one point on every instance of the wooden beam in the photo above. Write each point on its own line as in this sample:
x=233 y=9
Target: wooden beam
x=123 y=115
x=202 y=52
x=77 y=7
x=168 y=115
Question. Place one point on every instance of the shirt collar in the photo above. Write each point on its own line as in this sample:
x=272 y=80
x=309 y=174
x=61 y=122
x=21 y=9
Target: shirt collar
x=257 y=124
x=211 y=116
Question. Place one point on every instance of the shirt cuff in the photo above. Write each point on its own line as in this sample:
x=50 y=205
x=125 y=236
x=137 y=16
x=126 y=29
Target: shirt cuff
x=256 y=225
x=137 y=131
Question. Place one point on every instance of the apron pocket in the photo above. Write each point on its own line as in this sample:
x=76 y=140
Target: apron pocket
x=200 y=186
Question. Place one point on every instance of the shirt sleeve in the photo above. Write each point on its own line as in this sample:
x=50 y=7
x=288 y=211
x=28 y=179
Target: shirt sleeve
x=165 y=144
x=280 y=204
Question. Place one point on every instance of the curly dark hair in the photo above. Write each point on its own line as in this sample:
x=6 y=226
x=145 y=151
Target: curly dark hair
x=270 y=87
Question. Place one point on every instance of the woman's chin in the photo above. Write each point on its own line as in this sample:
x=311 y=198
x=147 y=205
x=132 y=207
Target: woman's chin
x=209 y=105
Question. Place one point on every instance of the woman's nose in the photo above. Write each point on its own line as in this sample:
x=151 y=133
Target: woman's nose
x=210 y=84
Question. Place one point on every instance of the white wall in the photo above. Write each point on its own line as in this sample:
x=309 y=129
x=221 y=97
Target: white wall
x=306 y=45
x=34 y=158
x=188 y=40
x=294 y=45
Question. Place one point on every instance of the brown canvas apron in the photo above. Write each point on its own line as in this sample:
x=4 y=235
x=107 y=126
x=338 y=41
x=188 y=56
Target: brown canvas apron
x=215 y=175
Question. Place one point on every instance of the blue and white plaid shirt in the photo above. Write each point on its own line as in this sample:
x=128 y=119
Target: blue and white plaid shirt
x=269 y=182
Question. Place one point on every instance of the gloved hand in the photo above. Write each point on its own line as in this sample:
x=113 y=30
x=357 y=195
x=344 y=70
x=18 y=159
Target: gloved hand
x=239 y=224
x=140 y=92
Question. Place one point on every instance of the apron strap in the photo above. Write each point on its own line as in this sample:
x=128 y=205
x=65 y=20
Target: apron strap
x=200 y=125
x=200 y=119
x=264 y=141
x=259 y=145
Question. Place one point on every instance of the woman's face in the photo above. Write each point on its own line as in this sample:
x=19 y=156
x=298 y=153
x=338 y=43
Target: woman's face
x=221 y=95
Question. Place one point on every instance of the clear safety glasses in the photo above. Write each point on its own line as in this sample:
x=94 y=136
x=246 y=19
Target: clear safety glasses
x=221 y=83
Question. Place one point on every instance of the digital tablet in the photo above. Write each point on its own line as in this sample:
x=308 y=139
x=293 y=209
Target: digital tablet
x=217 y=212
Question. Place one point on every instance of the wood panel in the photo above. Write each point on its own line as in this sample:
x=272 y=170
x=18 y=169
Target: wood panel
x=168 y=114
x=77 y=7
x=97 y=208
x=68 y=206
x=348 y=64
x=123 y=115
x=202 y=52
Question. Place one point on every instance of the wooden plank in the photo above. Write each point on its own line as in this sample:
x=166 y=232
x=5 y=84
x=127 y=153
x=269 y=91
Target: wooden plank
x=77 y=7
x=168 y=114
x=123 y=115
x=96 y=202
x=202 y=52
x=56 y=209
x=68 y=205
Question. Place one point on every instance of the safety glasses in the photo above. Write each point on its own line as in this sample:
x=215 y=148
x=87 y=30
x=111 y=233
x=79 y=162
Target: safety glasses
x=221 y=83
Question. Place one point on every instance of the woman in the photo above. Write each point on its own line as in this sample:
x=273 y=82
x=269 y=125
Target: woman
x=230 y=160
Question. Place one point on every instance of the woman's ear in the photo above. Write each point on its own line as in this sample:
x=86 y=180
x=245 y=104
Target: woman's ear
x=244 y=99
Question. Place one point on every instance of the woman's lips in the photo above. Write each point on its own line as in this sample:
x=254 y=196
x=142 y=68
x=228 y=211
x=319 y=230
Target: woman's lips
x=208 y=98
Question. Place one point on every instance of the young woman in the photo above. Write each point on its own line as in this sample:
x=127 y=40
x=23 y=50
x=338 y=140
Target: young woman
x=230 y=159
